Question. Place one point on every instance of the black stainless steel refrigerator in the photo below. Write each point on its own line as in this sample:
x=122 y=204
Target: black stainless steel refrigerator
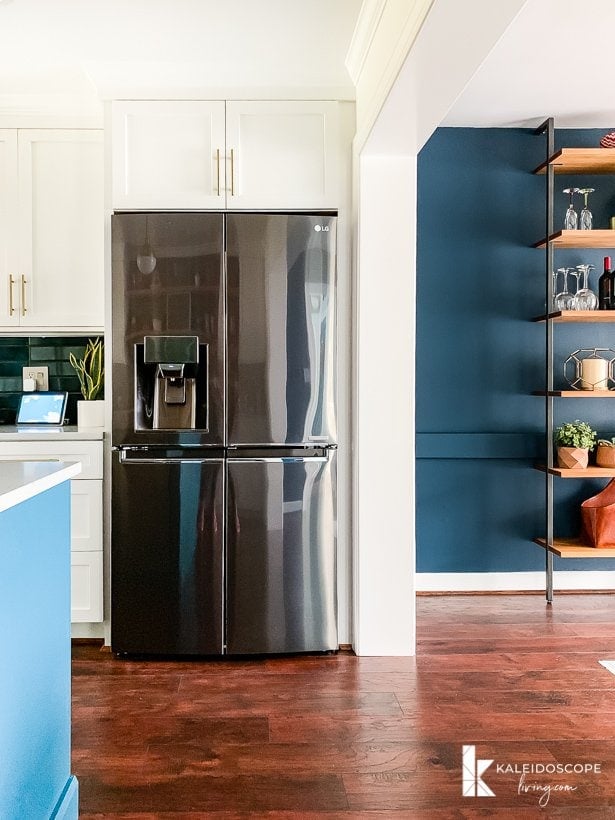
x=223 y=482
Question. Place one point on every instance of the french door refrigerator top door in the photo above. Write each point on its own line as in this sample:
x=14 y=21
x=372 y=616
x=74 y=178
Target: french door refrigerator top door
x=281 y=329
x=168 y=329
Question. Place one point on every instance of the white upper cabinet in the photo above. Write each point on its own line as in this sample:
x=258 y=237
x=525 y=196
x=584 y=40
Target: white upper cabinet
x=9 y=314
x=168 y=154
x=51 y=229
x=281 y=154
x=236 y=155
x=62 y=224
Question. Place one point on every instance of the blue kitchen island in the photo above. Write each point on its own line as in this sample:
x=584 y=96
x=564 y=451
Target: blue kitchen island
x=35 y=778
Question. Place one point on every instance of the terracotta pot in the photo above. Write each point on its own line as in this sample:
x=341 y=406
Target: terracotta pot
x=605 y=456
x=572 y=457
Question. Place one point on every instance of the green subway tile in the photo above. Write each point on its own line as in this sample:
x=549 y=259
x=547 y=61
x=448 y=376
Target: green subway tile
x=8 y=368
x=13 y=341
x=9 y=385
x=9 y=355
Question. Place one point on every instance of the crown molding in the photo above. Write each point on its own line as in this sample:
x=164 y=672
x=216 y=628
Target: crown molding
x=388 y=72
x=364 y=30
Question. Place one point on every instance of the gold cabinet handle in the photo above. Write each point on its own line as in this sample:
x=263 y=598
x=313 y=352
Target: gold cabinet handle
x=23 y=295
x=218 y=168
x=232 y=172
x=11 y=305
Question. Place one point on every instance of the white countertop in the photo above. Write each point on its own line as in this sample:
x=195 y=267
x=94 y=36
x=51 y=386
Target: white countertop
x=20 y=480
x=9 y=432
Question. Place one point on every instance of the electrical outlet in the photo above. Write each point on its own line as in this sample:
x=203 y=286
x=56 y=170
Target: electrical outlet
x=39 y=374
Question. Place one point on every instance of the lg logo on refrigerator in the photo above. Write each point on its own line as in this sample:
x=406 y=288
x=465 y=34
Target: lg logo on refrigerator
x=318 y=228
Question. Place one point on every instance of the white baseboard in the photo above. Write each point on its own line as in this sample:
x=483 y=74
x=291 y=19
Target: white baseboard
x=513 y=581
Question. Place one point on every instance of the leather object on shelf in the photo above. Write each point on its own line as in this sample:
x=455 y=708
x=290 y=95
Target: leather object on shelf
x=598 y=518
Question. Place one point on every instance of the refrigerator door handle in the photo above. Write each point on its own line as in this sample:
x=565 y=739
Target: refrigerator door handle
x=125 y=459
x=282 y=459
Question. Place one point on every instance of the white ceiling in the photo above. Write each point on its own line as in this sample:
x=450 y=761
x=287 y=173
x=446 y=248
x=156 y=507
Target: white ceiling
x=87 y=50
x=555 y=59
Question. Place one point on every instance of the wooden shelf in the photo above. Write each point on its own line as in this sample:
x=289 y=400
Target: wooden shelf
x=578 y=315
x=577 y=472
x=604 y=238
x=581 y=161
x=576 y=394
x=574 y=548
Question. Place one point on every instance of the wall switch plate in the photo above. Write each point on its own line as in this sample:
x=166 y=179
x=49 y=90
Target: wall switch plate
x=39 y=374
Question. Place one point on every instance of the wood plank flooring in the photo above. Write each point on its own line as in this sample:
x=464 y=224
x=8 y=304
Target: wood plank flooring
x=346 y=737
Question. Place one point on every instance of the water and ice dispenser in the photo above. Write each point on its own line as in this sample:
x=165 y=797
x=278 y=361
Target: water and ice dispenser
x=171 y=383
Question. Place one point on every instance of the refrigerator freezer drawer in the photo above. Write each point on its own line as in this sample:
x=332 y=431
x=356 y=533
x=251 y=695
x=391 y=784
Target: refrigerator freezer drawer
x=167 y=565
x=280 y=580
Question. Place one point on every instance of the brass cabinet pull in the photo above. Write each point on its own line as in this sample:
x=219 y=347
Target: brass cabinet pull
x=11 y=305
x=232 y=172
x=23 y=295
x=218 y=168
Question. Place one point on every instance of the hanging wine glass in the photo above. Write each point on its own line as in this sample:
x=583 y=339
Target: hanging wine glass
x=586 y=214
x=585 y=298
x=577 y=275
x=564 y=300
x=146 y=261
x=554 y=291
x=571 y=220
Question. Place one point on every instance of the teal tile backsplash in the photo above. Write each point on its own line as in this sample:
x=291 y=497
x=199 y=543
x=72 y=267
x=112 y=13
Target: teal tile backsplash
x=49 y=351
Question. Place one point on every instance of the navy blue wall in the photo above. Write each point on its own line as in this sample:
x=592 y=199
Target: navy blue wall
x=479 y=281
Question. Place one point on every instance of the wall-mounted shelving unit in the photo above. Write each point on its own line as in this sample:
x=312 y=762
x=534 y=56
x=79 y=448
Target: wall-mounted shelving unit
x=567 y=161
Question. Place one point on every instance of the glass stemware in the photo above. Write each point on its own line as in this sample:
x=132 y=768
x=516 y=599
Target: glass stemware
x=564 y=300
x=577 y=275
x=586 y=214
x=571 y=220
x=585 y=298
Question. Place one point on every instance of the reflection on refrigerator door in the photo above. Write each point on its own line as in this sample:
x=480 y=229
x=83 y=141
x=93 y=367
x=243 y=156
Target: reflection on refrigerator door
x=281 y=329
x=167 y=568
x=280 y=581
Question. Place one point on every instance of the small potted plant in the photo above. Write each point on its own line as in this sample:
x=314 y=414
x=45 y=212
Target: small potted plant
x=605 y=452
x=91 y=373
x=574 y=440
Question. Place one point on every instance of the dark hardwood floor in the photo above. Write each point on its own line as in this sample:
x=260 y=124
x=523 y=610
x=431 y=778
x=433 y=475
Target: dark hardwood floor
x=343 y=737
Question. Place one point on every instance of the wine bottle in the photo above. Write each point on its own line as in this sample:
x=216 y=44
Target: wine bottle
x=605 y=286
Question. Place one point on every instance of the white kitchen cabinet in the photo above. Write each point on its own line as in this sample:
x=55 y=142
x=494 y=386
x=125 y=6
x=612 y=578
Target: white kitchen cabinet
x=284 y=154
x=52 y=229
x=168 y=154
x=238 y=154
x=86 y=517
x=9 y=315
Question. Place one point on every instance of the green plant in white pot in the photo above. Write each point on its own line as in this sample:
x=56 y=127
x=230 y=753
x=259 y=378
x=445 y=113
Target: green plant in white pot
x=90 y=371
x=574 y=440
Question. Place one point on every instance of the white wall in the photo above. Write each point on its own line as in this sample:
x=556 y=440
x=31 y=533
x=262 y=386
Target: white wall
x=397 y=112
x=384 y=429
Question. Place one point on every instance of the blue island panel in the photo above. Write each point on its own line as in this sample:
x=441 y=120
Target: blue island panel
x=35 y=779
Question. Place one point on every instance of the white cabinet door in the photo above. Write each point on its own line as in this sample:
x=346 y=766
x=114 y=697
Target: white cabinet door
x=282 y=154
x=86 y=587
x=168 y=154
x=9 y=313
x=61 y=228
x=86 y=515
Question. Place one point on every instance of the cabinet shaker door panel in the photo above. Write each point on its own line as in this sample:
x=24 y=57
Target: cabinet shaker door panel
x=9 y=308
x=61 y=280
x=284 y=154
x=168 y=154
x=86 y=587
